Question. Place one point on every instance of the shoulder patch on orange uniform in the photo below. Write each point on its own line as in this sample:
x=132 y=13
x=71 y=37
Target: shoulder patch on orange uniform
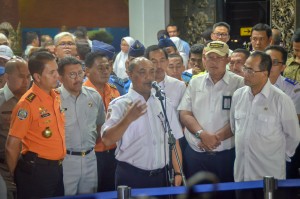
x=31 y=97
x=111 y=85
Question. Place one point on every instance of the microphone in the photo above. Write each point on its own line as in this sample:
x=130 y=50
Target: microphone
x=157 y=88
x=159 y=91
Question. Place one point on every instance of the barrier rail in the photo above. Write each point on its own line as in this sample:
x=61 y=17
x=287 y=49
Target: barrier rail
x=161 y=191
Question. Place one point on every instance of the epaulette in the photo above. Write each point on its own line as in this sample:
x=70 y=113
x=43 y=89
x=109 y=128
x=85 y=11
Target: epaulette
x=57 y=91
x=117 y=80
x=291 y=81
x=111 y=85
x=125 y=99
x=31 y=97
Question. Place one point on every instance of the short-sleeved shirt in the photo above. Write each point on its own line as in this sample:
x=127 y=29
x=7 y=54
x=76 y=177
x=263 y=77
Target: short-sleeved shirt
x=292 y=71
x=291 y=88
x=210 y=104
x=7 y=103
x=109 y=94
x=174 y=89
x=142 y=144
x=266 y=131
x=38 y=121
x=82 y=116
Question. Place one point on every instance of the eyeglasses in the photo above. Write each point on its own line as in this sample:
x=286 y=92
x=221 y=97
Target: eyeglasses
x=65 y=44
x=222 y=35
x=275 y=62
x=250 y=71
x=73 y=75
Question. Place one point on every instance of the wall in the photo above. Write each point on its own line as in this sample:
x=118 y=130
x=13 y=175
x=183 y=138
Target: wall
x=72 y=13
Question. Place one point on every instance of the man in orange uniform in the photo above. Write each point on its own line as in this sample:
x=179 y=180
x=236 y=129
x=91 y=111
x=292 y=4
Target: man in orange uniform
x=98 y=70
x=38 y=124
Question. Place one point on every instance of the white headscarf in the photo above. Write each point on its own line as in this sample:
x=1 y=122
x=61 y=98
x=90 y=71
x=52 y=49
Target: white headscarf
x=119 y=64
x=179 y=45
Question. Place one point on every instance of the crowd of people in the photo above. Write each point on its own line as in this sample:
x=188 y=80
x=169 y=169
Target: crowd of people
x=77 y=117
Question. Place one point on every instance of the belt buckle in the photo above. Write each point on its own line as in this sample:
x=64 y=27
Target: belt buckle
x=83 y=153
x=60 y=162
x=151 y=173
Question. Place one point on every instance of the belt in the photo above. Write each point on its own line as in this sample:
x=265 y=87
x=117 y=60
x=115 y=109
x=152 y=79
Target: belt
x=32 y=157
x=149 y=173
x=81 y=153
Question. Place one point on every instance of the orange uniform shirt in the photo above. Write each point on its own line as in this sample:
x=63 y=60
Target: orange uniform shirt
x=110 y=93
x=38 y=121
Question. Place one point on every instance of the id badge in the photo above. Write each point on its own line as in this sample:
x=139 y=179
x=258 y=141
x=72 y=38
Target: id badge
x=226 y=102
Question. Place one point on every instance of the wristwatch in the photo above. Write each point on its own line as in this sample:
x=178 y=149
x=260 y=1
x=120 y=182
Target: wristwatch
x=198 y=133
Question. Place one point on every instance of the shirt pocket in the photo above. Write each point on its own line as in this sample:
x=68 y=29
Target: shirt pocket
x=265 y=125
x=240 y=119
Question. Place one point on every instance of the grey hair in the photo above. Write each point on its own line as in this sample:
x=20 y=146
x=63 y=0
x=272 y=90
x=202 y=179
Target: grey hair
x=60 y=35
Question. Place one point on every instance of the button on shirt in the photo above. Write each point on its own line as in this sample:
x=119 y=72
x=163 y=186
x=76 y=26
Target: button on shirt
x=266 y=131
x=36 y=112
x=82 y=115
x=291 y=89
x=142 y=144
x=7 y=103
x=205 y=100
x=174 y=89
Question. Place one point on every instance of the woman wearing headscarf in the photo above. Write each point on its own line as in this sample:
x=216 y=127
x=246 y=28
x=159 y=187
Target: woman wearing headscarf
x=119 y=64
x=179 y=45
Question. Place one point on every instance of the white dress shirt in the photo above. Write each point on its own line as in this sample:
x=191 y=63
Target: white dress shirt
x=205 y=100
x=174 y=89
x=266 y=132
x=144 y=143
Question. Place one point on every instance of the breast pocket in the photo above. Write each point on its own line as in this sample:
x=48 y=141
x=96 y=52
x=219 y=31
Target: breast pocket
x=265 y=125
x=240 y=119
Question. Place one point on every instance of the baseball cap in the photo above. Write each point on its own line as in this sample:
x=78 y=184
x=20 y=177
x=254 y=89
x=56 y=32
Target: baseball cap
x=218 y=47
x=6 y=52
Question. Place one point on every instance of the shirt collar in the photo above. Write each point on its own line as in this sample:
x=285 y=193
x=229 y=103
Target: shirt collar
x=136 y=96
x=7 y=92
x=65 y=93
x=225 y=77
x=265 y=91
x=279 y=81
x=41 y=93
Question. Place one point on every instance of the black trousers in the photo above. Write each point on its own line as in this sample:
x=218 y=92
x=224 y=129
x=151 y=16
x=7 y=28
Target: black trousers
x=218 y=163
x=38 y=178
x=133 y=177
x=106 y=166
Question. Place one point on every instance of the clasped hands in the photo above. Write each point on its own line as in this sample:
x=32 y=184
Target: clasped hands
x=209 y=141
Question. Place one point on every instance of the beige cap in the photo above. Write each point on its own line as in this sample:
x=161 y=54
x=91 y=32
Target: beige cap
x=218 y=47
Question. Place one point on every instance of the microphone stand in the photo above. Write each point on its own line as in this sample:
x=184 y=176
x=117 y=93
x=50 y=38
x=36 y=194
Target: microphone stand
x=171 y=141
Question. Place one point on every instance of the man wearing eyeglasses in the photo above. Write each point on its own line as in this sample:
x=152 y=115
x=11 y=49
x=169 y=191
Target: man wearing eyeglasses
x=261 y=36
x=85 y=114
x=265 y=124
x=289 y=87
x=204 y=110
x=64 y=45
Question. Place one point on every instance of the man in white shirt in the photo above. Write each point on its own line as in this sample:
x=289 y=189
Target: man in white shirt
x=136 y=122
x=265 y=124
x=173 y=88
x=204 y=110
